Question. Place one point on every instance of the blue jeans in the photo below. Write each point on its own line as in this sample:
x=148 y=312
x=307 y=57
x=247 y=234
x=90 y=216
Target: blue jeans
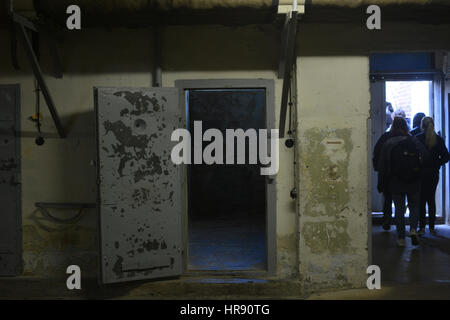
x=400 y=209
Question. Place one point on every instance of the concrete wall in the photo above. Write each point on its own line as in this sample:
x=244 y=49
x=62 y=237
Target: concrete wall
x=333 y=112
x=61 y=170
x=333 y=126
x=323 y=239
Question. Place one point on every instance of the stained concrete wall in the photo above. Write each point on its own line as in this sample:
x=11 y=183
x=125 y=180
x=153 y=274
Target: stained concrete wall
x=333 y=111
x=333 y=127
x=62 y=169
x=324 y=238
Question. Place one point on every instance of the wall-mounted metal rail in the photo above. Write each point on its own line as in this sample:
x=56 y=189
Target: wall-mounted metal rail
x=23 y=24
x=45 y=206
x=286 y=65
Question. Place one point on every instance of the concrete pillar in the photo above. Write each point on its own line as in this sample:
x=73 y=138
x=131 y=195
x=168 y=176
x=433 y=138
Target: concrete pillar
x=333 y=109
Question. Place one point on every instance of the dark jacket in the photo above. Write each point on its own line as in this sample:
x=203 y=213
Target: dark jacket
x=387 y=182
x=438 y=154
x=381 y=141
x=416 y=131
x=377 y=150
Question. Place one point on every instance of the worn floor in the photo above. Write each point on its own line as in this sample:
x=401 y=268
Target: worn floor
x=421 y=272
x=227 y=243
x=427 y=263
x=412 y=272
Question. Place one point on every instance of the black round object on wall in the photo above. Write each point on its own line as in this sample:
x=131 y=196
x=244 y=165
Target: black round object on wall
x=294 y=193
x=289 y=143
x=39 y=141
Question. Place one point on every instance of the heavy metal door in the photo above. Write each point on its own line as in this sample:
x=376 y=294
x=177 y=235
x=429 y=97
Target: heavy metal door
x=141 y=192
x=10 y=199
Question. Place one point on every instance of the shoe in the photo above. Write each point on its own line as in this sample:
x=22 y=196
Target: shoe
x=421 y=232
x=401 y=242
x=414 y=237
x=386 y=226
x=433 y=232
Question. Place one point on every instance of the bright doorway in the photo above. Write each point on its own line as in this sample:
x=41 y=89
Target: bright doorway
x=412 y=97
x=391 y=96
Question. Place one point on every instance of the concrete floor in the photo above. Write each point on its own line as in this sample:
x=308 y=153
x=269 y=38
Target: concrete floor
x=421 y=272
x=227 y=243
x=427 y=263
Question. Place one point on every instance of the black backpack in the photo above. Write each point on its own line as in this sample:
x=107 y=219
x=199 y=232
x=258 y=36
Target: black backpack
x=406 y=161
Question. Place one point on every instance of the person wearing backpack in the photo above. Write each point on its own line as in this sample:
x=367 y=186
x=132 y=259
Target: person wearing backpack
x=382 y=184
x=400 y=166
x=430 y=176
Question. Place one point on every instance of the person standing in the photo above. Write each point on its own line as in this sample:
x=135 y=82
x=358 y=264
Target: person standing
x=400 y=164
x=382 y=184
x=417 y=120
x=389 y=114
x=430 y=175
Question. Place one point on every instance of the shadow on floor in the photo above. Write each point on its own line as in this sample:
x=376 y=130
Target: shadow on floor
x=409 y=273
x=427 y=263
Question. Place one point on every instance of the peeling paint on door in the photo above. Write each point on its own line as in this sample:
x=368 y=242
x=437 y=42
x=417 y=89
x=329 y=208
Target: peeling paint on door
x=140 y=189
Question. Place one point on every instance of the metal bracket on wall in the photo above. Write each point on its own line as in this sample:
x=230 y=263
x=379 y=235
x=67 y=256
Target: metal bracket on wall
x=23 y=24
x=45 y=206
x=286 y=65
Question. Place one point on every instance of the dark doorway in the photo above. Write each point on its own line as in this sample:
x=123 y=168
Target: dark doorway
x=227 y=202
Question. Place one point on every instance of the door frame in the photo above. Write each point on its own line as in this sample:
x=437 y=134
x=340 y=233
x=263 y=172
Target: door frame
x=269 y=86
x=17 y=141
x=436 y=106
x=377 y=87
